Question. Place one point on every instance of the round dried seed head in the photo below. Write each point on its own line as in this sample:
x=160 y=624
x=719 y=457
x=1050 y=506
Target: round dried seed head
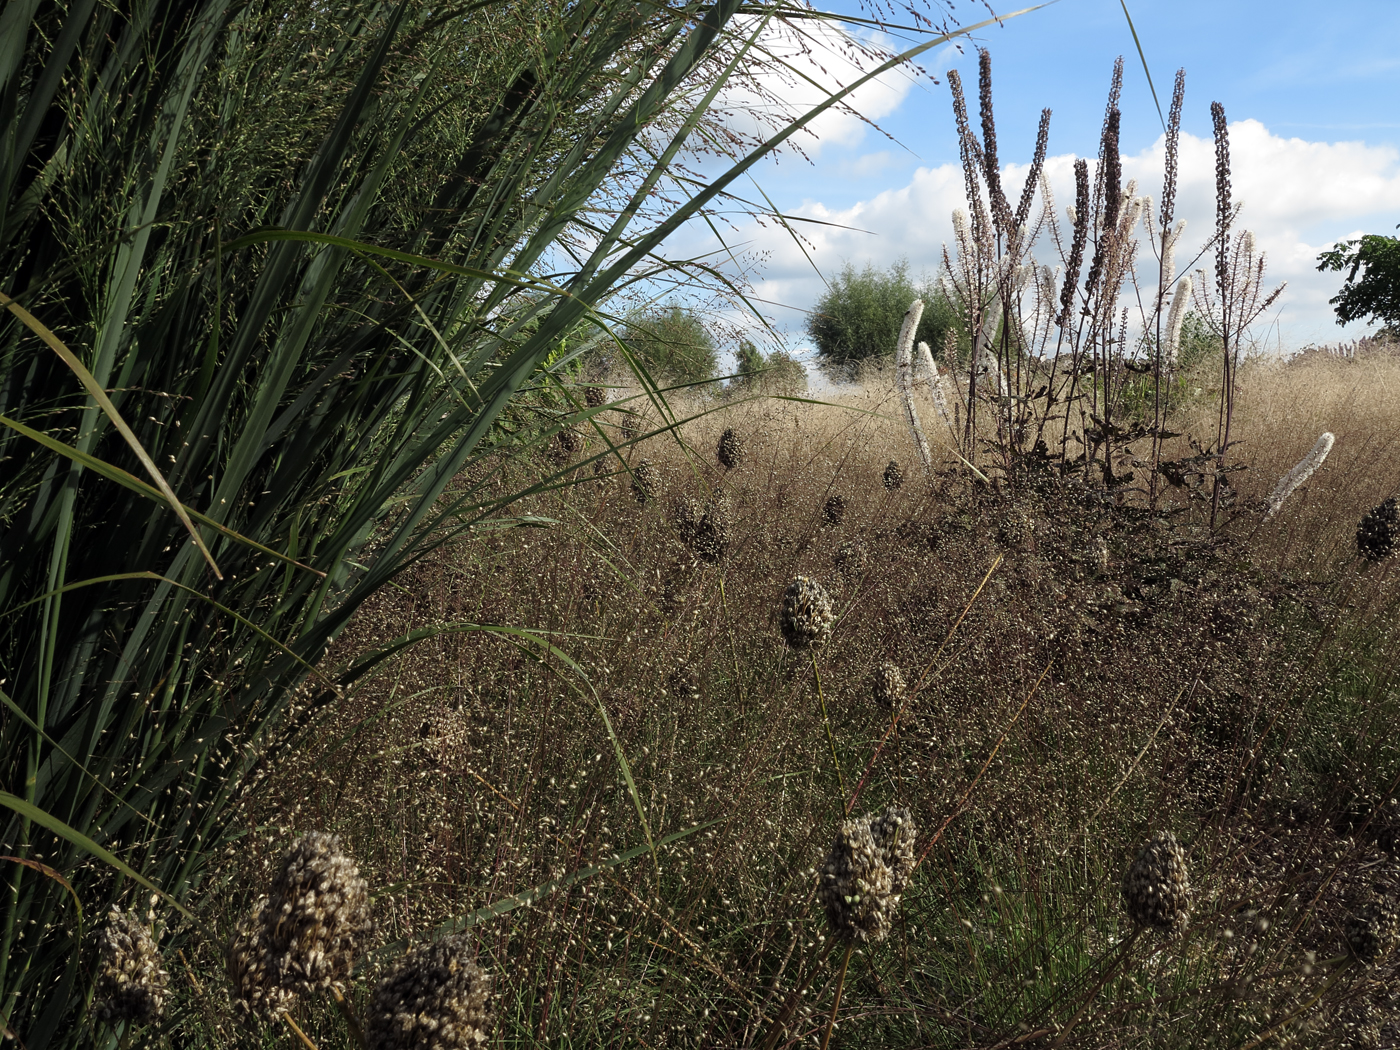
x=730 y=450
x=1378 y=531
x=130 y=983
x=1372 y=930
x=712 y=534
x=887 y=687
x=631 y=426
x=894 y=831
x=850 y=559
x=437 y=999
x=857 y=885
x=567 y=443
x=894 y=475
x=646 y=481
x=807 y=615
x=252 y=971
x=305 y=934
x=1157 y=887
x=686 y=514
x=595 y=397
x=834 y=509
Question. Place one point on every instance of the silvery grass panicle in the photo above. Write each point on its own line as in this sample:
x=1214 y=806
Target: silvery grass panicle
x=130 y=983
x=1157 y=887
x=304 y=936
x=866 y=871
x=437 y=999
x=1304 y=469
x=807 y=616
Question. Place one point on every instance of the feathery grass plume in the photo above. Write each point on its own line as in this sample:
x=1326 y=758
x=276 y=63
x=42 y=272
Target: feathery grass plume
x=1378 y=531
x=730 y=451
x=893 y=476
x=130 y=983
x=904 y=380
x=850 y=559
x=887 y=686
x=1373 y=929
x=437 y=999
x=834 y=509
x=865 y=872
x=1157 y=887
x=807 y=616
x=305 y=934
x=1304 y=469
x=934 y=378
x=646 y=481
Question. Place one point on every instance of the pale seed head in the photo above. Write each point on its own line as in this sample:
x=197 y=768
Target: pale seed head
x=1157 y=887
x=437 y=999
x=807 y=616
x=130 y=983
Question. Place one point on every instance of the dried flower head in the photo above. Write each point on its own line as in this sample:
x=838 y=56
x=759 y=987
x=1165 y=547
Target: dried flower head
x=305 y=934
x=851 y=558
x=1378 y=531
x=567 y=444
x=1157 y=888
x=834 y=509
x=631 y=426
x=893 y=476
x=887 y=687
x=706 y=529
x=1372 y=930
x=646 y=480
x=130 y=983
x=807 y=615
x=437 y=999
x=865 y=872
x=730 y=450
x=595 y=397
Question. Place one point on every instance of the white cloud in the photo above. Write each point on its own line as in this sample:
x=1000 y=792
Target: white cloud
x=1299 y=197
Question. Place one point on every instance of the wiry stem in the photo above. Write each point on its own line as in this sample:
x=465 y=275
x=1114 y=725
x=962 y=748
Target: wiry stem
x=836 y=1001
x=830 y=739
x=299 y=1033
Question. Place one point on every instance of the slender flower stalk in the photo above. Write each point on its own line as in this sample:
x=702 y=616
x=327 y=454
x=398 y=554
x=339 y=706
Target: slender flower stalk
x=1304 y=469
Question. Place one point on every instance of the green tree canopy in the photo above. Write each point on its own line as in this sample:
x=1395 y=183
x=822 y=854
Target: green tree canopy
x=675 y=342
x=1376 y=294
x=775 y=373
x=859 y=316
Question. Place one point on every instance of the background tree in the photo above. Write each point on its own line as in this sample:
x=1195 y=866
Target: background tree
x=775 y=373
x=675 y=342
x=859 y=315
x=1376 y=295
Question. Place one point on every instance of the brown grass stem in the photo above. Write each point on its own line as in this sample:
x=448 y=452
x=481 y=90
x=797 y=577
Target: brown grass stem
x=830 y=739
x=348 y=1012
x=836 y=999
x=296 y=1029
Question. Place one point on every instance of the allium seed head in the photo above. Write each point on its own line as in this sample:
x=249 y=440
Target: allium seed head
x=1157 y=888
x=730 y=450
x=437 y=999
x=595 y=397
x=887 y=686
x=305 y=934
x=646 y=480
x=130 y=983
x=1378 y=531
x=807 y=616
x=865 y=872
x=894 y=476
x=851 y=559
x=834 y=510
x=1373 y=930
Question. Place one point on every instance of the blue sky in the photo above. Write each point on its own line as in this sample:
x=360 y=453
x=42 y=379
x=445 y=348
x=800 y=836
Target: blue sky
x=1312 y=92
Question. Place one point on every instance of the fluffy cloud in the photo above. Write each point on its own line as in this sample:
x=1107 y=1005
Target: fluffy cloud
x=1299 y=198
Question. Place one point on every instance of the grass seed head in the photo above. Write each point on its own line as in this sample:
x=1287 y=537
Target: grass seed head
x=1378 y=531
x=1157 y=887
x=1372 y=930
x=807 y=615
x=437 y=999
x=893 y=476
x=130 y=983
x=730 y=450
x=887 y=686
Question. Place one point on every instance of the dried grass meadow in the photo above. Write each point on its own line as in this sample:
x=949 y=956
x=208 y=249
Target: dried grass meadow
x=1233 y=687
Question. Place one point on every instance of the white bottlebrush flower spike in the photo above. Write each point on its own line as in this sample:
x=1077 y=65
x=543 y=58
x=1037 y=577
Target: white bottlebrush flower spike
x=904 y=379
x=1300 y=473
